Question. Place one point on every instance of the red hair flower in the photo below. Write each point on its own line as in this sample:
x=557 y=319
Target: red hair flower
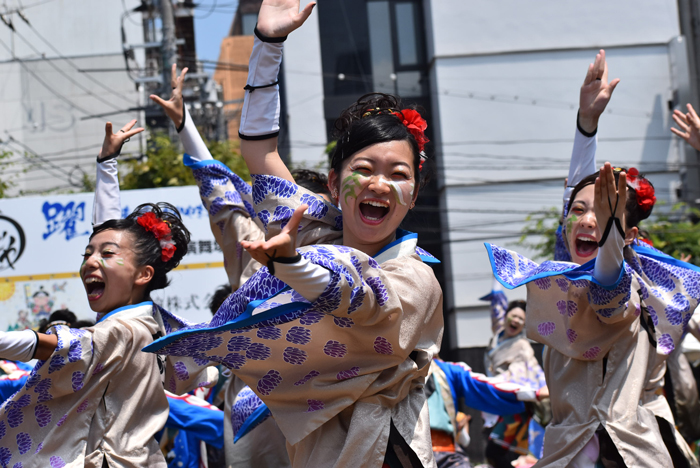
x=415 y=124
x=161 y=230
x=644 y=190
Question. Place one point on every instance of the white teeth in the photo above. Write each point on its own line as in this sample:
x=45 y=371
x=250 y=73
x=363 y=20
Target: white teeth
x=585 y=238
x=92 y=279
x=375 y=203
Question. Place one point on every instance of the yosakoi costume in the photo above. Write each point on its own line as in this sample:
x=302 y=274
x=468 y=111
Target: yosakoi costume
x=512 y=359
x=448 y=383
x=343 y=374
x=601 y=342
x=229 y=204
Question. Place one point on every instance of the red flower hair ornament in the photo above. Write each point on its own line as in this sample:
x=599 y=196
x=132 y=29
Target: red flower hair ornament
x=644 y=190
x=161 y=230
x=416 y=125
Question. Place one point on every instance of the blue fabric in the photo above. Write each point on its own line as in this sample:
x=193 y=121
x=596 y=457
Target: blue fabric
x=439 y=419
x=477 y=394
x=10 y=386
x=186 y=451
x=206 y=423
x=190 y=162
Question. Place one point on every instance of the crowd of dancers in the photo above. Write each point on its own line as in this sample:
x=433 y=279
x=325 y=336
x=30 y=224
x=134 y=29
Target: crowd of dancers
x=323 y=350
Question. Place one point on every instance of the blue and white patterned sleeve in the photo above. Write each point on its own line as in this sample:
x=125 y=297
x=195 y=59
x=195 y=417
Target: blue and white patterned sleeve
x=499 y=306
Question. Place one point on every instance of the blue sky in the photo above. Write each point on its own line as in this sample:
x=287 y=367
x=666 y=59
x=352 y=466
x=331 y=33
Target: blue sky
x=211 y=25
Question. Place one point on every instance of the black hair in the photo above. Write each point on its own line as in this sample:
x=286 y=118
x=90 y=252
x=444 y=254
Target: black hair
x=312 y=180
x=367 y=122
x=634 y=213
x=515 y=304
x=219 y=296
x=61 y=315
x=146 y=246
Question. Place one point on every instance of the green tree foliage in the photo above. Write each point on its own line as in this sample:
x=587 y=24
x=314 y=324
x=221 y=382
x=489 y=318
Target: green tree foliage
x=6 y=181
x=674 y=231
x=163 y=167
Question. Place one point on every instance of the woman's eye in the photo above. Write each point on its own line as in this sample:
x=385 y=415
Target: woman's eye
x=107 y=253
x=86 y=255
x=400 y=175
x=363 y=170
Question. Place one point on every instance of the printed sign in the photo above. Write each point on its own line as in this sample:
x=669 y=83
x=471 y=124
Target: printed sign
x=42 y=240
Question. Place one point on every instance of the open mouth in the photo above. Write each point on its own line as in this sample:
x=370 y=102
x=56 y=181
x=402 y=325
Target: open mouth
x=585 y=246
x=95 y=288
x=373 y=211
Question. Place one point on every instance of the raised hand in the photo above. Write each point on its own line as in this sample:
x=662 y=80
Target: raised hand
x=173 y=106
x=595 y=93
x=113 y=142
x=690 y=126
x=610 y=198
x=277 y=18
x=281 y=245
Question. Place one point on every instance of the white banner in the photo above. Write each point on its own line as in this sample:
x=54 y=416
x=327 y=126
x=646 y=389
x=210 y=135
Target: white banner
x=42 y=239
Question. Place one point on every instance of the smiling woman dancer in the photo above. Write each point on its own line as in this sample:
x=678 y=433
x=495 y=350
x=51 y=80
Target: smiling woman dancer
x=339 y=341
x=92 y=387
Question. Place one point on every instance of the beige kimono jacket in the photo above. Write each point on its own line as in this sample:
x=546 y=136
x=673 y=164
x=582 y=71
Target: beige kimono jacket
x=336 y=373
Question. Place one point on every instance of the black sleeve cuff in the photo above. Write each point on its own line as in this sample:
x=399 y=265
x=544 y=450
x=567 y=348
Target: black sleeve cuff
x=36 y=344
x=258 y=137
x=286 y=260
x=184 y=117
x=264 y=38
x=580 y=129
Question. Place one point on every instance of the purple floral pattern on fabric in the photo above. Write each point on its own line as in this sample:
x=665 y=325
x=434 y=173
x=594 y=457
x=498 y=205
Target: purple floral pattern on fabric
x=77 y=380
x=306 y=378
x=33 y=379
x=380 y=292
x=56 y=363
x=665 y=344
x=200 y=361
x=424 y=253
x=246 y=403
x=311 y=317
x=14 y=417
x=335 y=349
x=24 y=443
x=298 y=335
x=658 y=273
x=563 y=284
x=269 y=333
x=62 y=420
x=3 y=429
x=314 y=405
x=504 y=263
x=269 y=382
x=75 y=352
x=348 y=374
x=39 y=447
x=193 y=343
x=282 y=214
x=339 y=222
x=598 y=295
x=17 y=465
x=216 y=205
x=249 y=208
x=234 y=361
x=675 y=310
x=561 y=254
x=82 y=407
x=356 y=263
x=356 y=298
x=232 y=197
x=181 y=371
x=543 y=283
x=5 y=456
x=654 y=316
x=98 y=368
x=238 y=343
x=294 y=355
x=317 y=207
x=23 y=401
x=571 y=335
x=382 y=346
x=546 y=328
x=258 y=352
x=264 y=184
x=56 y=462
x=343 y=322
x=264 y=217
x=42 y=415
x=591 y=353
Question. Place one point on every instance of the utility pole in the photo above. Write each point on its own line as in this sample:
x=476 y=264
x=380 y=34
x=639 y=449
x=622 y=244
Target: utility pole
x=169 y=47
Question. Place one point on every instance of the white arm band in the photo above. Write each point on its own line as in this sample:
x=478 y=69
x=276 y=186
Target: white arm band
x=192 y=140
x=107 y=203
x=609 y=259
x=526 y=394
x=306 y=278
x=18 y=345
x=582 y=161
x=261 y=108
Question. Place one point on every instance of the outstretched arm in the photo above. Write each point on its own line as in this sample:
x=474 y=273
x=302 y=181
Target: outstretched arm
x=107 y=203
x=609 y=204
x=689 y=124
x=261 y=109
x=595 y=95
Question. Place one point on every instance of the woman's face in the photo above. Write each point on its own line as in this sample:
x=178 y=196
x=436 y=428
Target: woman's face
x=376 y=188
x=110 y=273
x=515 y=321
x=582 y=231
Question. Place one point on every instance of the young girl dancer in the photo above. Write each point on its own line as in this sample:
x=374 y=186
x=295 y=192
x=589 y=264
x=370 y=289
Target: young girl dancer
x=94 y=399
x=337 y=339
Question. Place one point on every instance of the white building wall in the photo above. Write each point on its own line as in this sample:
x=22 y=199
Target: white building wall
x=505 y=92
x=44 y=97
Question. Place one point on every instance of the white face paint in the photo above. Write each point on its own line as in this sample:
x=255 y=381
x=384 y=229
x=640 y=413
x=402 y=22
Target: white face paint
x=397 y=186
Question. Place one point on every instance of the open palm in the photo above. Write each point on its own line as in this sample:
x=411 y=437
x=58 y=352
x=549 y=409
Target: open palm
x=278 y=18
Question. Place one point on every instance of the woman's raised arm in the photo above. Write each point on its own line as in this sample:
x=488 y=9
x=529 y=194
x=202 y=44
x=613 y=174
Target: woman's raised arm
x=259 y=127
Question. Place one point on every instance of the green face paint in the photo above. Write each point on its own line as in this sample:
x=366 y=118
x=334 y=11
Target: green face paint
x=351 y=183
x=104 y=264
x=570 y=222
x=120 y=261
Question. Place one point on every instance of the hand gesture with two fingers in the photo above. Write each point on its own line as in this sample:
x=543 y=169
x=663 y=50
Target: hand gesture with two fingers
x=113 y=142
x=281 y=245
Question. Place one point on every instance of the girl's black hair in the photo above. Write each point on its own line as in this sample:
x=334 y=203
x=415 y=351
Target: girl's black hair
x=634 y=214
x=369 y=121
x=515 y=304
x=146 y=247
x=312 y=180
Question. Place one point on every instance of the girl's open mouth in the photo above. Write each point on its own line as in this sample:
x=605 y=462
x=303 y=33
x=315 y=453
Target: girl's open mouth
x=373 y=211
x=585 y=246
x=95 y=288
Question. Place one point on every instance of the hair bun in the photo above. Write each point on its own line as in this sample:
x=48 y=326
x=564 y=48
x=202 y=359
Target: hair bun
x=376 y=103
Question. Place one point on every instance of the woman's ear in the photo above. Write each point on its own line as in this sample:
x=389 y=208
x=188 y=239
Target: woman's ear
x=144 y=275
x=631 y=235
x=334 y=185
